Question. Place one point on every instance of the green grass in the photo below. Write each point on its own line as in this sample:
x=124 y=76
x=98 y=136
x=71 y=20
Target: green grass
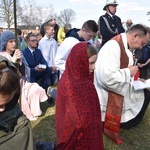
x=43 y=128
x=134 y=139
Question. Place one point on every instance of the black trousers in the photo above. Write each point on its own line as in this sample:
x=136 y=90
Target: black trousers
x=143 y=72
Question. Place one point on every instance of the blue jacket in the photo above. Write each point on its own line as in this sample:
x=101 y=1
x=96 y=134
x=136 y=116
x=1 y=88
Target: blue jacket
x=144 y=54
x=30 y=59
x=73 y=33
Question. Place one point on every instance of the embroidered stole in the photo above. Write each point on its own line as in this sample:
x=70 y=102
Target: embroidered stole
x=115 y=101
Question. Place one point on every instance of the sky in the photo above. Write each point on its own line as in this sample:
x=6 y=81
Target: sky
x=93 y=9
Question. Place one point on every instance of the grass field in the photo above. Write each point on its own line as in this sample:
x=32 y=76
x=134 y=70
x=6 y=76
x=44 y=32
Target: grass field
x=134 y=139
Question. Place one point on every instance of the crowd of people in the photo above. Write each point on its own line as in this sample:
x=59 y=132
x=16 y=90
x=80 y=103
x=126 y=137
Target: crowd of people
x=94 y=69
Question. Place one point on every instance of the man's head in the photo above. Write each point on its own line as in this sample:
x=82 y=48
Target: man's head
x=137 y=36
x=129 y=22
x=49 y=29
x=67 y=27
x=19 y=32
x=110 y=6
x=39 y=36
x=89 y=30
x=52 y=22
x=31 y=40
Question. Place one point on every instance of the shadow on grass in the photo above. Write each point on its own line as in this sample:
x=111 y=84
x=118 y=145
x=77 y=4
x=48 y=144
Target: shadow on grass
x=44 y=127
x=46 y=105
x=44 y=130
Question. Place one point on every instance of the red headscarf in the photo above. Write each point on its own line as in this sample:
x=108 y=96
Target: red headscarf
x=78 y=115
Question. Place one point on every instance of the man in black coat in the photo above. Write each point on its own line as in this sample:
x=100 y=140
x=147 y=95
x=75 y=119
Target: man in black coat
x=109 y=24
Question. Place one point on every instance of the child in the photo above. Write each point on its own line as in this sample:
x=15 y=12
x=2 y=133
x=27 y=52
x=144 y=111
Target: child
x=48 y=47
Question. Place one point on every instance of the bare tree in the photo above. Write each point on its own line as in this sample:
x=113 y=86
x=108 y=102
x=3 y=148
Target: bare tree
x=29 y=17
x=66 y=16
x=148 y=13
x=7 y=11
x=34 y=15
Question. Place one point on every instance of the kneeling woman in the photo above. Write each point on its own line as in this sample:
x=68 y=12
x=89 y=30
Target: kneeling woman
x=78 y=116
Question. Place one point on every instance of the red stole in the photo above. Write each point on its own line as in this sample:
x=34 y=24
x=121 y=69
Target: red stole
x=115 y=101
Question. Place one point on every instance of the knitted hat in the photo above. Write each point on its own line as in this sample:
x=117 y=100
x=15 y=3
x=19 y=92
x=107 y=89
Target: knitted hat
x=5 y=37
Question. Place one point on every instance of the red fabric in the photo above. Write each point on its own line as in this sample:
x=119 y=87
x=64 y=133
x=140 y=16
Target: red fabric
x=136 y=76
x=78 y=115
x=115 y=102
x=113 y=117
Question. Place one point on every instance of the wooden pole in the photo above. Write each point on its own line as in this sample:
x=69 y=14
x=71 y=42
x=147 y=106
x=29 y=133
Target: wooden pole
x=15 y=24
x=16 y=36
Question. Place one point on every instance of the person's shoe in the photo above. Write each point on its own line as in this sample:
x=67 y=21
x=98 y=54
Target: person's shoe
x=42 y=114
x=50 y=101
x=49 y=91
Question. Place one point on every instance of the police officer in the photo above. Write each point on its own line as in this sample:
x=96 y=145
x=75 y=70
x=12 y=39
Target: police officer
x=110 y=24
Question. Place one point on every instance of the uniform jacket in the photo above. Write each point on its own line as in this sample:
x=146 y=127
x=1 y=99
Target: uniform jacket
x=114 y=24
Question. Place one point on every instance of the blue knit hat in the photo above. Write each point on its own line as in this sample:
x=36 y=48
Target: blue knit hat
x=5 y=37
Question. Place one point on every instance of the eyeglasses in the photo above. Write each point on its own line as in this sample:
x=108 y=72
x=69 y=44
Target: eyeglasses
x=33 y=40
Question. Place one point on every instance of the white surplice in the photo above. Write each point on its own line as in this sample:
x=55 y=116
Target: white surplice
x=63 y=52
x=109 y=76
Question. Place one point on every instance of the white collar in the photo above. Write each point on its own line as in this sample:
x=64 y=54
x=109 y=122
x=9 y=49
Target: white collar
x=31 y=50
x=110 y=14
x=48 y=38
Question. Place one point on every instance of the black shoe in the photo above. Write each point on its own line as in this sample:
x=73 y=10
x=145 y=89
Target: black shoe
x=50 y=101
